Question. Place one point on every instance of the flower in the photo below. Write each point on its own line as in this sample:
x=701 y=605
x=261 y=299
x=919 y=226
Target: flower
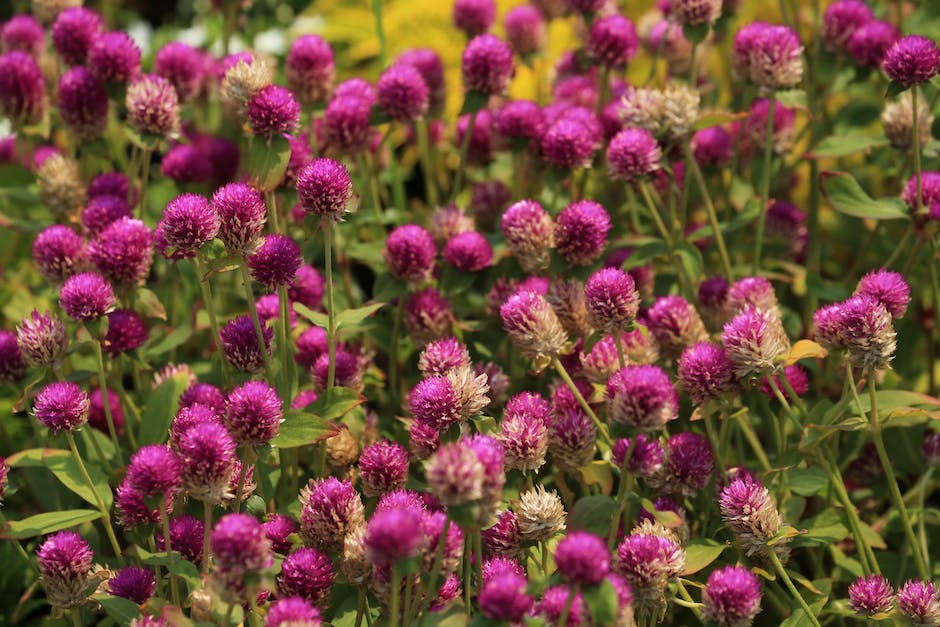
x=346 y=123
x=12 y=366
x=154 y=470
x=276 y=261
x=383 y=466
x=705 y=372
x=919 y=602
x=134 y=583
x=753 y=518
x=242 y=216
x=775 y=58
x=330 y=509
x=643 y=397
x=870 y=42
x=292 y=612
x=755 y=341
x=693 y=12
x=751 y=291
x=409 y=253
x=42 y=339
x=83 y=103
x=182 y=66
x=442 y=355
x=861 y=325
x=102 y=211
x=581 y=232
x=887 y=287
x=58 y=252
x=240 y=344
x=474 y=16
x=871 y=595
x=455 y=474
x=73 y=32
x=23 y=33
x=612 y=41
x=480 y=148
x=486 y=65
x=533 y=326
x=152 y=106
x=553 y=603
x=840 y=21
x=648 y=559
x=503 y=538
x=504 y=598
x=897 y=121
x=611 y=299
x=633 y=153
x=582 y=558
x=524 y=431
x=402 y=93
x=912 y=60
x=114 y=58
x=22 y=88
x=572 y=439
x=273 y=111
x=732 y=596
x=310 y=68
x=207 y=459
x=239 y=548
x=428 y=316
x=569 y=144
x=690 y=461
x=541 y=514
x=429 y=64
x=278 y=530
x=324 y=188
x=647 y=457
x=61 y=187
x=123 y=252
x=525 y=29
x=393 y=534
x=64 y=565
x=253 y=413
x=307 y=573
x=529 y=233
x=308 y=287
x=86 y=296
x=468 y=251
x=795 y=376
x=188 y=223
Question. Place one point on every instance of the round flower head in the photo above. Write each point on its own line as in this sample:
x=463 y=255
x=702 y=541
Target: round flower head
x=744 y=42
x=22 y=88
x=568 y=301
x=292 y=612
x=642 y=397
x=61 y=187
x=443 y=355
x=647 y=457
x=273 y=111
x=12 y=366
x=83 y=103
x=582 y=558
x=182 y=66
x=242 y=216
x=434 y=401
x=755 y=341
x=554 y=602
x=204 y=394
x=42 y=339
x=86 y=296
x=795 y=376
x=690 y=462
x=732 y=596
x=524 y=431
x=112 y=184
x=245 y=75
x=186 y=163
x=349 y=368
x=114 y=58
x=504 y=598
x=123 y=252
x=403 y=93
x=276 y=261
x=132 y=511
x=73 y=32
x=186 y=534
x=474 y=17
x=840 y=21
x=776 y=60
x=860 y=324
x=930 y=190
x=64 y=565
x=525 y=29
x=533 y=326
x=897 y=121
x=502 y=539
x=154 y=470
x=912 y=60
x=310 y=68
x=468 y=251
x=329 y=509
x=871 y=595
x=133 y=583
x=612 y=41
x=752 y=516
x=278 y=530
x=755 y=126
x=346 y=123
x=486 y=65
x=572 y=439
x=383 y=466
x=188 y=223
x=308 y=287
x=324 y=188
x=152 y=106
x=22 y=33
x=752 y=291
x=870 y=43
x=693 y=12
x=239 y=545
x=581 y=232
x=393 y=534
x=307 y=573
x=712 y=147
x=931 y=448
x=58 y=252
x=541 y=514
x=919 y=602
x=705 y=372
x=568 y=143
x=633 y=153
x=455 y=474
x=240 y=344
x=409 y=253
x=611 y=299
x=428 y=316
x=62 y=406
x=253 y=413
x=207 y=460
x=102 y=211
x=529 y=233
x=888 y=288
x=648 y=559
x=520 y=121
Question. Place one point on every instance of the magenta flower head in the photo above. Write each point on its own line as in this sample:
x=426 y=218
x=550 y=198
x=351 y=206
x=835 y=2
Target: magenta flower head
x=474 y=17
x=394 y=534
x=409 y=253
x=705 y=372
x=239 y=545
x=22 y=33
x=329 y=509
x=73 y=32
x=633 y=153
x=242 y=216
x=690 y=462
x=455 y=474
x=611 y=299
x=207 y=460
x=441 y=356
x=870 y=43
x=712 y=147
x=64 y=565
x=642 y=397
x=871 y=595
x=581 y=232
x=919 y=602
x=310 y=68
x=888 y=288
x=930 y=190
x=861 y=325
x=776 y=58
x=480 y=148
x=324 y=189
x=62 y=406
x=648 y=559
x=752 y=516
x=752 y=291
x=468 y=251
x=582 y=558
x=190 y=416
x=126 y=331
x=253 y=413
x=612 y=41
x=276 y=262
x=694 y=12
x=86 y=296
x=521 y=122
x=204 y=394
x=133 y=583
x=111 y=184
x=292 y=612
x=795 y=375
x=83 y=103
x=647 y=457
x=153 y=106
x=186 y=163
x=572 y=439
x=912 y=60
x=154 y=470
x=568 y=144
x=102 y=211
x=732 y=596
x=58 y=252
x=188 y=223
x=755 y=341
x=42 y=339
x=403 y=94
x=486 y=65
x=308 y=287
x=840 y=21
x=502 y=539
x=525 y=29
x=428 y=316
x=554 y=602
x=240 y=344
x=675 y=325
x=533 y=326
x=504 y=598
x=273 y=111
x=307 y=573
x=383 y=466
x=524 y=431
x=12 y=366
x=529 y=233
x=123 y=252
x=114 y=58
x=22 y=88
x=931 y=448
x=183 y=66
x=278 y=530
x=434 y=402
x=429 y=65
x=346 y=123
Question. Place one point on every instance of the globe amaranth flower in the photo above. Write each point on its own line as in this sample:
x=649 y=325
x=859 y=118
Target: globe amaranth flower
x=480 y=144
x=114 y=58
x=870 y=42
x=502 y=539
x=240 y=347
x=86 y=296
x=22 y=88
x=695 y=12
x=581 y=232
x=541 y=514
x=403 y=93
x=97 y=417
x=383 y=466
x=755 y=126
x=350 y=365
x=468 y=251
x=73 y=32
x=153 y=106
x=182 y=65
x=64 y=565
x=753 y=518
x=840 y=21
x=524 y=431
x=324 y=189
x=646 y=459
x=929 y=190
x=346 y=123
x=529 y=233
x=705 y=372
x=429 y=64
x=154 y=470
x=755 y=341
x=273 y=111
x=123 y=252
x=897 y=121
x=186 y=537
x=434 y=401
x=643 y=397
x=239 y=548
x=83 y=103
x=428 y=316
x=690 y=463
x=278 y=529
x=61 y=187
x=42 y=339
x=433 y=525
x=188 y=223
x=329 y=510
x=775 y=58
x=245 y=75
x=455 y=474
x=276 y=261
x=871 y=595
x=919 y=602
x=611 y=299
x=242 y=216
x=712 y=146
x=12 y=365
x=474 y=17
x=525 y=29
x=443 y=355
x=554 y=602
x=112 y=184
x=307 y=573
x=186 y=163
x=753 y=291
x=131 y=509
x=861 y=325
x=569 y=143
x=486 y=65
x=253 y=413
x=190 y=416
x=292 y=612
x=207 y=461
x=582 y=558
x=648 y=559
x=887 y=287
x=308 y=287
x=732 y=596
x=409 y=253
x=572 y=438
x=22 y=33
x=533 y=326
x=612 y=41
x=912 y=60
x=633 y=153
x=504 y=598
x=133 y=583
x=520 y=121
x=310 y=68
x=103 y=210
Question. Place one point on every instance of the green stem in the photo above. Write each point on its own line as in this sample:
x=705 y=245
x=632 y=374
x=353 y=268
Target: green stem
x=284 y=340
x=915 y=130
x=563 y=373
x=563 y=619
x=20 y=549
x=253 y=309
x=424 y=150
x=106 y=401
x=394 y=619
x=478 y=554
x=464 y=148
x=165 y=521
x=393 y=354
x=144 y=178
x=200 y=266
x=921 y=523
x=270 y=199
x=755 y=442
x=360 y=607
x=94 y=491
x=623 y=492
x=618 y=342
x=716 y=446
x=696 y=608
x=422 y=603
x=207 y=528
x=380 y=31
x=75 y=614
x=710 y=210
x=330 y=305
x=775 y=387
x=765 y=183
x=865 y=553
x=810 y=615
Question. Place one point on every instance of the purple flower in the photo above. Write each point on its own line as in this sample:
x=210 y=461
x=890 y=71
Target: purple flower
x=308 y=287
x=242 y=214
x=278 y=530
x=529 y=233
x=480 y=148
x=931 y=448
x=114 y=58
x=240 y=344
x=73 y=32
x=329 y=509
x=533 y=326
x=525 y=29
x=468 y=251
x=751 y=291
x=582 y=558
x=633 y=153
x=705 y=372
x=12 y=366
x=22 y=33
x=611 y=299
x=350 y=366
x=871 y=595
x=870 y=42
x=712 y=147
x=83 y=103
x=612 y=41
x=455 y=474
x=752 y=516
x=503 y=538
x=307 y=573
x=776 y=60
x=888 y=288
x=186 y=163
x=126 y=331
x=134 y=583
x=131 y=509
x=154 y=470
x=383 y=466
x=642 y=397
x=524 y=431
x=690 y=462
x=191 y=415
x=496 y=566
x=755 y=341
x=58 y=252
x=443 y=355
x=694 y=12
x=152 y=106
x=273 y=111
x=394 y=534
x=433 y=524
x=919 y=602
x=64 y=564
x=292 y=612
x=572 y=438
x=102 y=210
x=123 y=252
x=346 y=123
x=276 y=261
x=188 y=223
x=253 y=413
x=520 y=120
x=409 y=253
x=474 y=17
x=22 y=88
x=581 y=232
x=486 y=65
x=182 y=65
x=585 y=7
x=504 y=598
x=96 y=416
x=239 y=545
x=647 y=457
x=310 y=68
x=861 y=325
x=86 y=296
x=795 y=376
x=912 y=60
x=206 y=456
x=648 y=561
x=112 y=184
x=428 y=316
x=553 y=603
x=755 y=126
x=569 y=144
x=840 y=21
x=324 y=188
x=402 y=93
x=732 y=596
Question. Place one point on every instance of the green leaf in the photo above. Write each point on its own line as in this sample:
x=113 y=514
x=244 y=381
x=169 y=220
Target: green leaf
x=593 y=513
x=807 y=481
x=122 y=611
x=895 y=89
x=696 y=33
x=846 y=196
x=644 y=254
x=699 y=553
x=668 y=519
x=176 y=337
x=602 y=602
x=66 y=470
x=378 y=116
x=267 y=162
x=717 y=118
x=148 y=304
x=474 y=101
x=792 y=98
x=302 y=428
x=816 y=603
x=842 y=145
x=691 y=258
x=825 y=528
x=315 y=317
x=50 y=522
x=161 y=406
x=351 y=317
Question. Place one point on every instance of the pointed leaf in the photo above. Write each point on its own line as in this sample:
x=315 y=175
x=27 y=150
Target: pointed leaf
x=318 y=318
x=43 y=524
x=267 y=162
x=302 y=428
x=122 y=611
x=350 y=317
x=66 y=470
x=699 y=553
x=842 y=145
x=846 y=196
x=602 y=602
x=593 y=513
x=161 y=407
